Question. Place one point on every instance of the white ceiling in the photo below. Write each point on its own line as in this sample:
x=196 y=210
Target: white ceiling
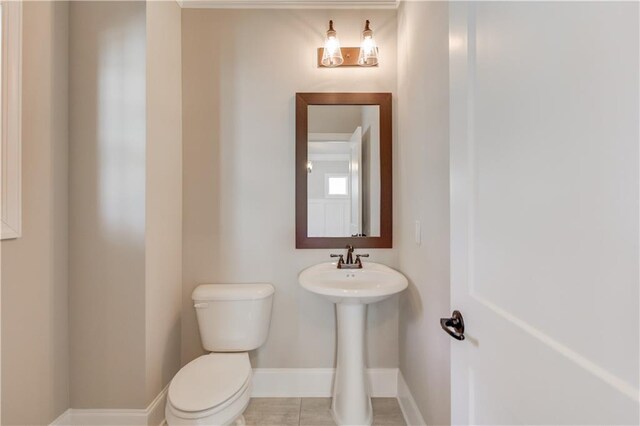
x=289 y=4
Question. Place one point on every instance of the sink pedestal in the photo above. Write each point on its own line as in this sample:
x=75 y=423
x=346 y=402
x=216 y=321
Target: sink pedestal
x=352 y=290
x=351 y=404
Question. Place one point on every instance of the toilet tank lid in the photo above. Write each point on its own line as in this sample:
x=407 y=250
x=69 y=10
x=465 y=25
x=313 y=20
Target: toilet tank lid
x=253 y=291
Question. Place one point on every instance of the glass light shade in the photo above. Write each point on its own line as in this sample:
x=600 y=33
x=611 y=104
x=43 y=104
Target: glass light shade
x=332 y=54
x=368 y=48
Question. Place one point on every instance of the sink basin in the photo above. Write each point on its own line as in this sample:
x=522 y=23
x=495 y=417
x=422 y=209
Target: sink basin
x=352 y=290
x=373 y=283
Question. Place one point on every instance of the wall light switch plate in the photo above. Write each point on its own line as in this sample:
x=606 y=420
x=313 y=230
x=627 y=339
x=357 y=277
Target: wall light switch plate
x=418 y=233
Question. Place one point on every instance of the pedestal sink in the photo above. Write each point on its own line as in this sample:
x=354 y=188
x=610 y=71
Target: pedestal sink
x=351 y=290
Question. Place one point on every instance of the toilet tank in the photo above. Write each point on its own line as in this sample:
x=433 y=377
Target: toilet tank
x=233 y=317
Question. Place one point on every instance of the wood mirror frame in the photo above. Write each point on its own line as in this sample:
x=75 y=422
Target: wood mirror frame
x=383 y=100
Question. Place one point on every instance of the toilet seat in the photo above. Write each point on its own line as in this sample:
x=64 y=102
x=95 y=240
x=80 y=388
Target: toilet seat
x=212 y=389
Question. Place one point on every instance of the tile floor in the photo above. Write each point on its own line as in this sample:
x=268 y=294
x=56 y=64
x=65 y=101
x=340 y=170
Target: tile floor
x=313 y=412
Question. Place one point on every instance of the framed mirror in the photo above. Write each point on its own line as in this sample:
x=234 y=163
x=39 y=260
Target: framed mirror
x=343 y=170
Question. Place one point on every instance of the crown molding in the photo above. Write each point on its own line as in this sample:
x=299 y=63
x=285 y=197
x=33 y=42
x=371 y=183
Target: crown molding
x=288 y=4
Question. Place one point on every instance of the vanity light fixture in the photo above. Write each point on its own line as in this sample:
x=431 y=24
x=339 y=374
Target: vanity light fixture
x=332 y=55
x=368 y=48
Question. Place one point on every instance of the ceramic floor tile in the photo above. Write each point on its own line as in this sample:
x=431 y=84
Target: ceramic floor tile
x=316 y=412
x=273 y=412
x=387 y=412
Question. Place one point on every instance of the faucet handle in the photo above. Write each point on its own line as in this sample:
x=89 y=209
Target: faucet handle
x=359 y=261
x=341 y=260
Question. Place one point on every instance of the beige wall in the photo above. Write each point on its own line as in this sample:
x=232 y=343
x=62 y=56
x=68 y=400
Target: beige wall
x=127 y=287
x=35 y=343
x=330 y=119
x=107 y=204
x=163 y=195
x=241 y=70
x=126 y=201
x=423 y=194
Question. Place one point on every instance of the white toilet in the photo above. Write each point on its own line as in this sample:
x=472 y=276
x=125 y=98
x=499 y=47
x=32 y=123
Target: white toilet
x=214 y=389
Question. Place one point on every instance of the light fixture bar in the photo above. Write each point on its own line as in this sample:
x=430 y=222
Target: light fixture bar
x=349 y=54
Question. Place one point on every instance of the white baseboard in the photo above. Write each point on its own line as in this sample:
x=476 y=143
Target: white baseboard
x=316 y=382
x=155 y=410
x=153 y=415
x=63 y=419
x=408 y=405
x=267 y=382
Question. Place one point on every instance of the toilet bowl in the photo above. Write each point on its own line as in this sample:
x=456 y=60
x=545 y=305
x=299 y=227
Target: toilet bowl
x=215 y=389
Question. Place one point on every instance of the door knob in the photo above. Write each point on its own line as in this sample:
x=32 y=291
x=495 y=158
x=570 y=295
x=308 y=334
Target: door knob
x=454 y=326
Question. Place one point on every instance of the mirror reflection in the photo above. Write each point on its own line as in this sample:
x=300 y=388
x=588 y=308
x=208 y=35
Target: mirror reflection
x=343 y=171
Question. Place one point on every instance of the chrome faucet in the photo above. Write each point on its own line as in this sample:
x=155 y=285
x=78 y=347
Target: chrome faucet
x=349 y=264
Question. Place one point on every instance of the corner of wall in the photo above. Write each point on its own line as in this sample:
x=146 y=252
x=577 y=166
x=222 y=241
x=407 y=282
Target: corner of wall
x=423 y=196
x=163 y=237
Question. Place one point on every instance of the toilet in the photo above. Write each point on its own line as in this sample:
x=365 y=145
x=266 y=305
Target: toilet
x=215 y=388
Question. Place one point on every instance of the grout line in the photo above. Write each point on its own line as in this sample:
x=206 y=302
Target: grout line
x=301 y=399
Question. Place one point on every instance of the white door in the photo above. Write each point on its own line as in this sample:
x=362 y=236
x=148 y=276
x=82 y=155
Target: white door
x=355 y=168
x=544 y=212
